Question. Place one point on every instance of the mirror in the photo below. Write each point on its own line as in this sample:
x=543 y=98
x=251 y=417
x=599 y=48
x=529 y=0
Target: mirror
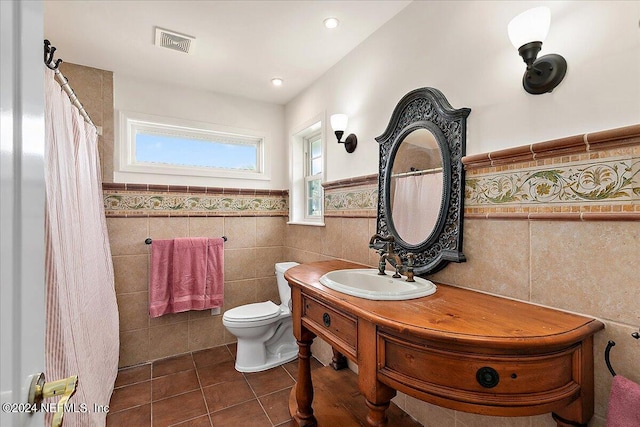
x=421 y=179
x=415 y=186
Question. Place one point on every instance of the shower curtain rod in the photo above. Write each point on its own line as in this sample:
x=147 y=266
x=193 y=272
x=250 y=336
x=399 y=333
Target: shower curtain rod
x=64 y=83
x=417 y=172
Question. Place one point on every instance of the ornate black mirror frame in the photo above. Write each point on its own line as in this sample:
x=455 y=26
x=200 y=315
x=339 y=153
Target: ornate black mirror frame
x=429 y=109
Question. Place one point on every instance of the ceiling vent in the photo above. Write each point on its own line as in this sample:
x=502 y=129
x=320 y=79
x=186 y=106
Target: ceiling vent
x=174 y=41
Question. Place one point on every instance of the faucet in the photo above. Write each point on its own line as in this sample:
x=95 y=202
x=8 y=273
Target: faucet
x=387 y=253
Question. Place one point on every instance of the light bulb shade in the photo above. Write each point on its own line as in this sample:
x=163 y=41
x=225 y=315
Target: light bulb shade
x=339 y=122
x=530 y=26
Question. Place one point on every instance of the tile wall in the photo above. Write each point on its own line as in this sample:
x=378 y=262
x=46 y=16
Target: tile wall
x=254 y=245
x=94 y=88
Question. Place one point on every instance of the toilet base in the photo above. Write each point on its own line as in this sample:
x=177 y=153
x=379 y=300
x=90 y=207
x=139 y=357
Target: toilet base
x=256 y=356
x=272 y=360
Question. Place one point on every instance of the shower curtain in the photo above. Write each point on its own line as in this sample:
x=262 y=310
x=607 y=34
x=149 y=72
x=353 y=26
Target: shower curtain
x=416 y=206
x=81 y=311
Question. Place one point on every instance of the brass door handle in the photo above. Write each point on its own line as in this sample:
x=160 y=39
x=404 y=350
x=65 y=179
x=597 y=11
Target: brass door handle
x=41 y=390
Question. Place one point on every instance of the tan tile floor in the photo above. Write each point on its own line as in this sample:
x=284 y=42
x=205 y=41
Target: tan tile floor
x=202 y=389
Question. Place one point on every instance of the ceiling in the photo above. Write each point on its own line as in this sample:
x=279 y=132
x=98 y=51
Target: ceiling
x=240 y=45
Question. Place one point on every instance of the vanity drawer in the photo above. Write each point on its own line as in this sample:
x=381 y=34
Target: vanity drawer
x=332 y=324
x=504 y=380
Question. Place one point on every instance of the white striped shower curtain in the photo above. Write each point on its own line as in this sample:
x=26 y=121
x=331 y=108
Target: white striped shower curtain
x=81 y=311
x=416 y=206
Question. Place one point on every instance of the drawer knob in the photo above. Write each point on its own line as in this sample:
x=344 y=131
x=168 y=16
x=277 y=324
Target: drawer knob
x=326 y=319
x=487 y=377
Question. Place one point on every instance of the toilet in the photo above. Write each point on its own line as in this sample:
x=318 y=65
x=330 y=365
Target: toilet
x=264 y=332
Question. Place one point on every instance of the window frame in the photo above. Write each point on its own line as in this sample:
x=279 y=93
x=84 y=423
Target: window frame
x=297 y=171
x=131 y=123
x=307 y=142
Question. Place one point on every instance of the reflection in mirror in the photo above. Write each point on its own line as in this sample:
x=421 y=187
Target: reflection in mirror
x=416 y=186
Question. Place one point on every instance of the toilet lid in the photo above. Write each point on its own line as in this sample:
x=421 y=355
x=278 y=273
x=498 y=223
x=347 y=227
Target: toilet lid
x=251 y=312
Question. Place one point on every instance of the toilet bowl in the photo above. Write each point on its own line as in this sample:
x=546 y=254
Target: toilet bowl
x=263 y=329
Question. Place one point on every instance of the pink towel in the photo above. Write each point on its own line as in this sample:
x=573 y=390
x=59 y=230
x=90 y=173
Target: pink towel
x=624 y=403
x=186 y=274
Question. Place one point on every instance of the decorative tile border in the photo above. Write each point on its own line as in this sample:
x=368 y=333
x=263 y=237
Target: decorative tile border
x=593 y=176
x=603 y=182
x=355 y=197
x=203 y=201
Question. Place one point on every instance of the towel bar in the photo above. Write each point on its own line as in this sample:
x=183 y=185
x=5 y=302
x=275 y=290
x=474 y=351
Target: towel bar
x=607 y=350
x=148 y=240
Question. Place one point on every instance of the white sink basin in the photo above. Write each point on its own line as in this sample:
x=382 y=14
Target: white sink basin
x=366 y=283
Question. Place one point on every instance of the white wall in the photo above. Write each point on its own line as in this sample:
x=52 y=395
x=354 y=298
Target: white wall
x=141 y=96
x=462 y=48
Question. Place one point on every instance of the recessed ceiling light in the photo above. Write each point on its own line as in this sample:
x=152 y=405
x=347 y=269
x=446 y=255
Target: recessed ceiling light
x=331 y=22
x=277 y=81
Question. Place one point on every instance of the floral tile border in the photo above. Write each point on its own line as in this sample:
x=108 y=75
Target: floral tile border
x=352 y=201
x=577 y=186
x=135 y=203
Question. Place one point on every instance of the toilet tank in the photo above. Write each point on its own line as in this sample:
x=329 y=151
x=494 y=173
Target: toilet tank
x=283 y=287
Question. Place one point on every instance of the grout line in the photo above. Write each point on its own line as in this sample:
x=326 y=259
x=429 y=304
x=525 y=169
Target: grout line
x=529 y=273
x=250 y=386
x=230 y=352
x=130 y=384
x=126 y=409
x=256 y=397
x=265 y=411
x=206 y=405
x=232 y=406
x=151 y=403
x=294 y=379
x=184 y=421
x=172 y=373
x=178 y=394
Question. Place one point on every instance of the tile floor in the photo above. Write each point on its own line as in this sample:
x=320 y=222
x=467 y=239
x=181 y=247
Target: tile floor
x=202 y=389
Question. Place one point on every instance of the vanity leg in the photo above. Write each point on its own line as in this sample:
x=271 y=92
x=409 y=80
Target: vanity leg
x=377 y=415
x=377 y=394
x=339 y=361
x=304 y=388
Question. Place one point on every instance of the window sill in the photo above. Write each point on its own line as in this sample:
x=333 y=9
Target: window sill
x=315 y=224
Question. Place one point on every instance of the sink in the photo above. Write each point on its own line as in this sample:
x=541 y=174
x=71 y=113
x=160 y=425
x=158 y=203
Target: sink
x=366 y=283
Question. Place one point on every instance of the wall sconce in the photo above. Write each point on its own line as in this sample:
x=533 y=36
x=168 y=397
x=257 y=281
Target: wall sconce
x=339 y=124
x=527 y=31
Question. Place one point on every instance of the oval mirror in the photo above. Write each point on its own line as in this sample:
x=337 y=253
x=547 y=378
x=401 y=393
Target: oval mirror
x=416 y=186
x=421 y=181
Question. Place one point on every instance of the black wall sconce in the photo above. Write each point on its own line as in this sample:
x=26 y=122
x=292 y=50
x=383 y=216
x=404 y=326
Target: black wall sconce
x=527 y=31
x=339 y=124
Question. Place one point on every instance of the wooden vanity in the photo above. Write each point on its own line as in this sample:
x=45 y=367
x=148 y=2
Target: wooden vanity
x=458 y=349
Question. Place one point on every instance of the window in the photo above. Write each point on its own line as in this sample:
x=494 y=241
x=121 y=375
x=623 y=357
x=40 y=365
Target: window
x=216 y=152
x=306 y=196
x=158 y=145
x=313 y=177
